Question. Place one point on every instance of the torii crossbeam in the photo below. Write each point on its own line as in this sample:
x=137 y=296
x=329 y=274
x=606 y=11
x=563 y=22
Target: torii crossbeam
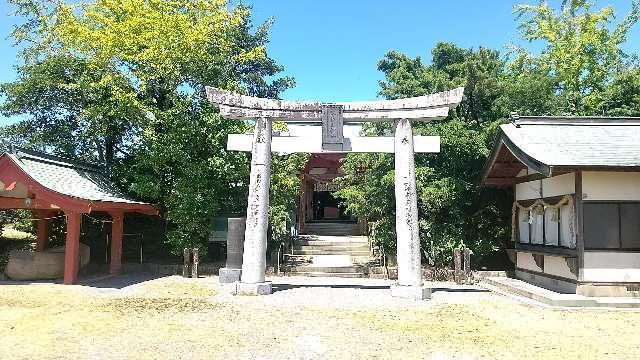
x=333 y=116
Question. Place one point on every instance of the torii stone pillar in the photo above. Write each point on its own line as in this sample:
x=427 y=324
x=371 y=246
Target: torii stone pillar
x=408 y=240
x=252 y=280
x=332 y=117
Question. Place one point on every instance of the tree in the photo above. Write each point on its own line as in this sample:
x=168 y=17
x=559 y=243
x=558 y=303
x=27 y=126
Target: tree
x=580 y=71
x=582 y=51
x=452 y=209
x=122 y=84
x=479 y=71
x=622 y=95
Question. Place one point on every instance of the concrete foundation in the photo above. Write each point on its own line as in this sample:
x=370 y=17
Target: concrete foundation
x=411 y=292
x=226 y=275
x=553 y=284
x=610 y=290
x=263 y=288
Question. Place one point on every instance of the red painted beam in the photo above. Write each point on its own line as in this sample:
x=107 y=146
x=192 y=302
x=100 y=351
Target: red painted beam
x=109 y=206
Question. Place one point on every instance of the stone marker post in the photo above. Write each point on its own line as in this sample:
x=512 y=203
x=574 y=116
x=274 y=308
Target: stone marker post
x=467 y=266
x=235 y=243
x=457 y=266
x=252 y=280
x=194 y=264
x=186 y=262
x=409 y=283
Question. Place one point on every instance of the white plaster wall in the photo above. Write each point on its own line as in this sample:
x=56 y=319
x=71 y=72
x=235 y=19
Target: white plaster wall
x=556 y=265
x=528 y=190
x=610 y=266
x=525 y=261
x=559 y=185
x=554 y=186
x=608 y=185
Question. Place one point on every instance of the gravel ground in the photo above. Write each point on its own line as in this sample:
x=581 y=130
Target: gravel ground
x=142 y=317
x=339 y=293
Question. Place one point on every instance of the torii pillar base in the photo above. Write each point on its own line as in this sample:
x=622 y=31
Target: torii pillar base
x=263 y=288
x=411 y=292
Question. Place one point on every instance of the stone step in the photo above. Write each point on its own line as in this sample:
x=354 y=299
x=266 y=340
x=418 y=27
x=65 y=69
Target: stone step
x=325 y=269
x=331 y=229
x=332 y=232
x=326 y=274
x=332 y=243
x=336 y=248
x=331 y=240
x=331 y=252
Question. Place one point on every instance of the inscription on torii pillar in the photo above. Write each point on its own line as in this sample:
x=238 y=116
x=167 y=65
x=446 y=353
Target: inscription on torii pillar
x=332 y=117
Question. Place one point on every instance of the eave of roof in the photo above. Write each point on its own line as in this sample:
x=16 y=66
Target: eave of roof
x=71 y=182
x=558 y=144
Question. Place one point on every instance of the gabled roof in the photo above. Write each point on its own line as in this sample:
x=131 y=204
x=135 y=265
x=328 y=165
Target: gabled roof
x=72 y=179
x=551 y=144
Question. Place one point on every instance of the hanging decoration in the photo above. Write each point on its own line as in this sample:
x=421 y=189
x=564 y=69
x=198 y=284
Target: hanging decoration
x=539 y=206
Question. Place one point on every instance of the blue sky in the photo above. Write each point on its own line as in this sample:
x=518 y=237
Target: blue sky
x=331 y=47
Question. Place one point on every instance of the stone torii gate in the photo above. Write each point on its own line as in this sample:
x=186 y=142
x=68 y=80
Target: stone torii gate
x=333 y=116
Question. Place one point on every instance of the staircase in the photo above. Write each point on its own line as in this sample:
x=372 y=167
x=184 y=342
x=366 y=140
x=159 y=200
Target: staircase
x=331 y=228
x=329 y=249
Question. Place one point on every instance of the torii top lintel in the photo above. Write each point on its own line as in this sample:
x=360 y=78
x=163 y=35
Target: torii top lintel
x=429 y=107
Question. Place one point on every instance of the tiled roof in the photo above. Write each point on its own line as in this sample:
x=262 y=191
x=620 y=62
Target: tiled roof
x=577 y=141
x=69 y=177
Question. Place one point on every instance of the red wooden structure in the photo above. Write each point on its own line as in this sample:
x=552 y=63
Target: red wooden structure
x=49 y=185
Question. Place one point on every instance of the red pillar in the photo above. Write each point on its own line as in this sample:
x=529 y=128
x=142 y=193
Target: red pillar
x=116 y=242
x=72 y=248
x=42 y=227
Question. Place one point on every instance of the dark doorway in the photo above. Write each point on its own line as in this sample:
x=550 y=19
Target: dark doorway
x=327 y=208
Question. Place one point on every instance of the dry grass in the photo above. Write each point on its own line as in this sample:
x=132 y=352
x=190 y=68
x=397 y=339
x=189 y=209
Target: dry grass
x=175 y=318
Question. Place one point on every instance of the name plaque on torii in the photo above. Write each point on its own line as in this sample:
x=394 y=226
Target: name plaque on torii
x=332 y=117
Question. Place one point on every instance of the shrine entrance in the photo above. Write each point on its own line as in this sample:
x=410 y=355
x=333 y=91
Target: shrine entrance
x=332 y=117
x=317 y=202
x=326 y=207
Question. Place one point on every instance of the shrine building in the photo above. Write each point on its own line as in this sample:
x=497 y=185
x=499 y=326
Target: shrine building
x=576 y=209
x=318 y=208
x=53 y=186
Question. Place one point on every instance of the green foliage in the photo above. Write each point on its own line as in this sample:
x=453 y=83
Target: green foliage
x=122 y=84
x=580 y=71
x=582 y=48
x=622 y=95
x=452 y=210
x=284 y=193
x=478 y=70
